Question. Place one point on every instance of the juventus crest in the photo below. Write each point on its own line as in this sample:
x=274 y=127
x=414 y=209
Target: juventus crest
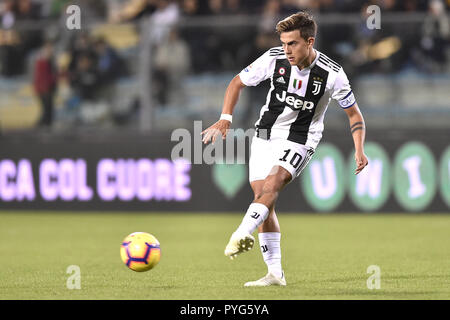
x=317 y=85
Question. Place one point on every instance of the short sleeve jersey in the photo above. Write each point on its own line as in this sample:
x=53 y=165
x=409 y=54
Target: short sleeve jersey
x=298 y=99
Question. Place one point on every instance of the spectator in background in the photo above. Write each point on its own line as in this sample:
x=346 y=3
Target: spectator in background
x=388 y=5
x=190 y=7
x=82 y=73
x=15 y=45
x=374 y=47
x=45 y=82
x=410 y=6
x=265 y=38
x=172 y=63
x=9 y=40
x=90 y=9
x=435 y=36
x=85 y=78
x=31 y=38
x=7 y=14
x=81 y=45
x=128 y=10
x=28 y=10
x=92 y=107
x=94 y=68
x=166 y=15
x=292 y=6
x=252 y=6
x=233 y=7
x=215 y=7
x=327 y=6
x=110 y=68
x=270 y=16
x=57 y=7
x=109 y=65
x=193 y=7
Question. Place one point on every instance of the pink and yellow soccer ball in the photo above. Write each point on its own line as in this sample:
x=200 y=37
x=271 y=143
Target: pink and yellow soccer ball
x=140 y=251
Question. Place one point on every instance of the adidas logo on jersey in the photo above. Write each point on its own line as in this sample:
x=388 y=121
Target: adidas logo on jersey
x=281 y=80
x=295 y=103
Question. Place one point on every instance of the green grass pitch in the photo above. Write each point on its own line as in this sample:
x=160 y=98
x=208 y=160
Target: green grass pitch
x=324 y=256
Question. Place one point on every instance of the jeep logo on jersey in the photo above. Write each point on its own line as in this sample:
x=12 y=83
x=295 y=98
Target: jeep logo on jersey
x=293 y=102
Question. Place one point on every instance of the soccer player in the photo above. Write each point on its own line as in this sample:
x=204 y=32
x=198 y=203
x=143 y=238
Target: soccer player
x=303 y=81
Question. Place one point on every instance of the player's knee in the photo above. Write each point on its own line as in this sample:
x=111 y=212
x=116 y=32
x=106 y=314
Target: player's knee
x=266 y=191
x=270 y=188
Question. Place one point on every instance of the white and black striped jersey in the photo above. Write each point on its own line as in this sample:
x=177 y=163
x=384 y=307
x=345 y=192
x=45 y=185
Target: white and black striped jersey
x=297 y=99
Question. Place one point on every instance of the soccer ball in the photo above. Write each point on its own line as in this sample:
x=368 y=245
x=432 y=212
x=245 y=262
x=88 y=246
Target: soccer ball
x=140 y=251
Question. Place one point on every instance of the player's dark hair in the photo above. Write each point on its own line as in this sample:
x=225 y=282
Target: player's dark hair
x=302 y=21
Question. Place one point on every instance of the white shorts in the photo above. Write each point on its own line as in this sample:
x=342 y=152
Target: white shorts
x=265 y=154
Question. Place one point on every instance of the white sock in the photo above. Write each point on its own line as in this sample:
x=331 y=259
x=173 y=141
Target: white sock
x=255 y=216
x=271 y=251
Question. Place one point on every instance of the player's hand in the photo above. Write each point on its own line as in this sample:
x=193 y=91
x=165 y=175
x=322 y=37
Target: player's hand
x=220 y=128
x=361 y=161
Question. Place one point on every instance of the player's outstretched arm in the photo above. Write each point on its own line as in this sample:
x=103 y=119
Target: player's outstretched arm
x=231 y=98
x=358 y=130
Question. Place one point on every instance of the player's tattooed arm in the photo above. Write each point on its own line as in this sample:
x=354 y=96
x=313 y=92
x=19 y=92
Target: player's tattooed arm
x=358 y=130
x=220 y=128
x=357 y=126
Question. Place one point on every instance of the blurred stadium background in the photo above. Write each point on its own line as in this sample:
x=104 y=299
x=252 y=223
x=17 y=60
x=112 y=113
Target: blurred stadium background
x=86 y=118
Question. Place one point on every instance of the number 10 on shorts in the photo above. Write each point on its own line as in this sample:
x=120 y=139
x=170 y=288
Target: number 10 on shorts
x=295 y=160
